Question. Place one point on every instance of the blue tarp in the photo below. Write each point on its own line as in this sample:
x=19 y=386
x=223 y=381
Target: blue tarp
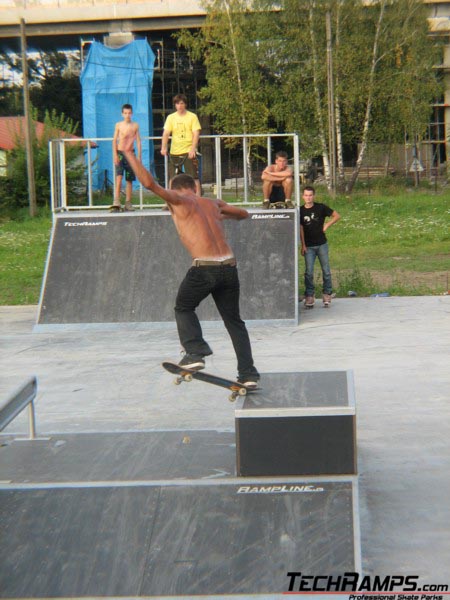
x=110 y=78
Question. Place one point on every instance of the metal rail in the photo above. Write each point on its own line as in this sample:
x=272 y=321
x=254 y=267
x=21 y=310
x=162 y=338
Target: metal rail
x=58 y=167
x=22 y=398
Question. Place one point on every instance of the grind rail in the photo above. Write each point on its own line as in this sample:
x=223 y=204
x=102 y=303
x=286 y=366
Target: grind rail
x=22 y=398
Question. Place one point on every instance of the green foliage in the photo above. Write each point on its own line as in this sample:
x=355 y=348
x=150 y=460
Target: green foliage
x=361 y=283
x=395 y=243
x=14 y=189
x=406 y=81
x=383 y=243
x=266 y=65
x=11 y=103
x=53 y=88
x=236 y=94
x=23 y=249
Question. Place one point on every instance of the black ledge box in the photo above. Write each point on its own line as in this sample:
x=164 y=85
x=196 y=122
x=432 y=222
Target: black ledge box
x=298 y=424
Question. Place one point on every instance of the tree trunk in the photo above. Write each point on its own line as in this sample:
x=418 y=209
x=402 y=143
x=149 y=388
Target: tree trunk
x=337 y=115
x=321 y=126
x=240 y=92
x=238 y=70
x=365 y=134
x=387 y=159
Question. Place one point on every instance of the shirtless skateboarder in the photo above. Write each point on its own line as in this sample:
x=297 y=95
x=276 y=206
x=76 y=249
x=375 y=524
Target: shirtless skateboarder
x=199 y=225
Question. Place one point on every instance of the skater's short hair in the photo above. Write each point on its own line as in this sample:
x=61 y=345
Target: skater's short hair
x=281 y=154
x=182 y=182
x=309 y=188
x=127 y=107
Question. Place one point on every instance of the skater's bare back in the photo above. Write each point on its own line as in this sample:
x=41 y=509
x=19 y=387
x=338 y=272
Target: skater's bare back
x=199 y=222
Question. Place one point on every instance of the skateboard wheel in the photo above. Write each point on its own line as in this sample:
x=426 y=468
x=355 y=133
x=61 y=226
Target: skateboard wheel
x=177 y=381
x=188 y=377
x=232 y=398
x=242 y=392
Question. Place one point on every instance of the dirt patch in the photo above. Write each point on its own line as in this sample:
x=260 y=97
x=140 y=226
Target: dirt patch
x=437 y=280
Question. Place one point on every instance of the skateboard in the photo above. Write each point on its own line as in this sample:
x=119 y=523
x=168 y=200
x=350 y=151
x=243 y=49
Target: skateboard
x=115 y=208
x=183 y=374
x=278 y=205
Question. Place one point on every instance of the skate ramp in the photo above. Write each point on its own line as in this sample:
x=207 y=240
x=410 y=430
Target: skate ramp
x=113 y=269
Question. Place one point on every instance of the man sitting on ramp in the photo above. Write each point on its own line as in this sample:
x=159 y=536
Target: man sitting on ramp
x=199 y=223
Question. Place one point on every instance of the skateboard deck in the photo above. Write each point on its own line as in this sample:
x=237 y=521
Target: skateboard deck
x=183 y=374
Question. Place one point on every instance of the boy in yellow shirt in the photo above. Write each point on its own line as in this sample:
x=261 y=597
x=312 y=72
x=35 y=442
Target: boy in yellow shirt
x=185 y=128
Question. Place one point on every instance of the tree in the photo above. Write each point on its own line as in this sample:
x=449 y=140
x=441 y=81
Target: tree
x=236 y=95
x=376 y=95
x=52 y=86
x=267 y=63
x=15 y=188
x=11 y=101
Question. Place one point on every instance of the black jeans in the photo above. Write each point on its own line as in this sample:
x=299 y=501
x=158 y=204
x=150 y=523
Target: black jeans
x=222 y=283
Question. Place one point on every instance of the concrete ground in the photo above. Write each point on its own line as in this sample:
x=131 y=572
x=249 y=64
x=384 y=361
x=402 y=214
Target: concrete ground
x=398 y=349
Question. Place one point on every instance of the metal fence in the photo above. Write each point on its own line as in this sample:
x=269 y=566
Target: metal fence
x=230 y=165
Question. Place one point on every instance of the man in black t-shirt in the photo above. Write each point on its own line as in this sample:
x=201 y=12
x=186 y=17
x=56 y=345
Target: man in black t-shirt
x=314 y=243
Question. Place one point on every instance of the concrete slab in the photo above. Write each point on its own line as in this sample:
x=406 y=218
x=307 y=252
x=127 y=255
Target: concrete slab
x=398 y=349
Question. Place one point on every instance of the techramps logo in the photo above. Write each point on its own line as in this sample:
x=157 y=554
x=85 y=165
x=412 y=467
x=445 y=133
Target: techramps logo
x=368 y=587
x=85 y=223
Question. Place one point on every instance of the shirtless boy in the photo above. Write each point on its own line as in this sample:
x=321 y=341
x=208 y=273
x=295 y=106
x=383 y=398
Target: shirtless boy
x=278 y=182
x=126 y=128
x=199 y=223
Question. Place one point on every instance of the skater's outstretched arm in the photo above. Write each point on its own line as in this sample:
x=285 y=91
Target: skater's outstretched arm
x=228 y=211
x=145 y=177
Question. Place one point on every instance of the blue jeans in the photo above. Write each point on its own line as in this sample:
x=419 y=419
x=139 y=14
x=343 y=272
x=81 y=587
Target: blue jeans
x=222 y=283
x=322 y=253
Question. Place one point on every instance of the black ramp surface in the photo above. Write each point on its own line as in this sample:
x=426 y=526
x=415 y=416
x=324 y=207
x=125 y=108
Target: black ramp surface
x=313 y=389
x=127 y=268
x=173 y=539
x=132 y=456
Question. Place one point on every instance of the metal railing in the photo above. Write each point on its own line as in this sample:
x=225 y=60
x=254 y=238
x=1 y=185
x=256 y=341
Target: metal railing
x=22 y=398
x=213 y=147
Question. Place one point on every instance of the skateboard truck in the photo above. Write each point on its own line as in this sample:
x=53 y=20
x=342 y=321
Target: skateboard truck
x=182 y=374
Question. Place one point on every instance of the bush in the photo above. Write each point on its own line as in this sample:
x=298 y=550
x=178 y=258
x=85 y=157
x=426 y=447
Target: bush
x=14 y=192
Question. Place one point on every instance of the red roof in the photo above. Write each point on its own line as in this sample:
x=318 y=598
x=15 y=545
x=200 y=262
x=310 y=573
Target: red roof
x=12 y=128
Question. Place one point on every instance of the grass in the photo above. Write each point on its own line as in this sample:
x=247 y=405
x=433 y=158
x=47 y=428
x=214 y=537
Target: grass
x=23 y=250
x=396 y=243
x=391 y=244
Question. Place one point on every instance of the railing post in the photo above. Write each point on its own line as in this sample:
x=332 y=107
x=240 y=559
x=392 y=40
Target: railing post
x=89 y=166
x=166 y=171
x=296 y=170
x=269 y=150
x=62 y=171
x=245 y=152
x=52 y=175
x=218 y=168
x=31 y=421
